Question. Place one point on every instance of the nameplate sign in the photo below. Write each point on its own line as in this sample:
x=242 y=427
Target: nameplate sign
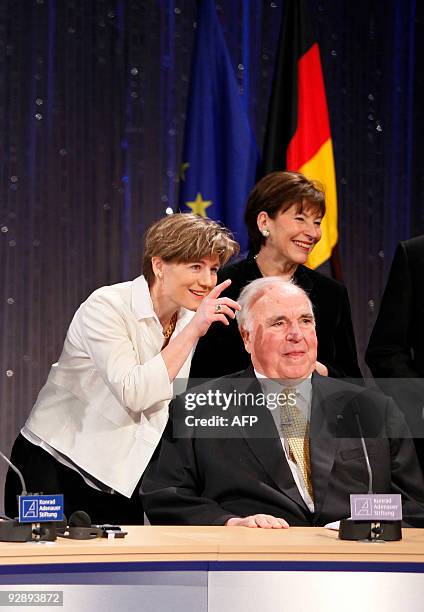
x=40 y=508
x=376 y=507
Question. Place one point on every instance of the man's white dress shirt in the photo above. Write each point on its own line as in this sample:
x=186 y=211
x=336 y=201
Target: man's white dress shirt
x=303 y=392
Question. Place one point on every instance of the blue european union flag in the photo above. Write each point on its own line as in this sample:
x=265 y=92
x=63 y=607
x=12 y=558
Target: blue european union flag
x=220 y=153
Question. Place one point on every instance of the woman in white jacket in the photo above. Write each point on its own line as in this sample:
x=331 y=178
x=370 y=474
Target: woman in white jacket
x=101 y=413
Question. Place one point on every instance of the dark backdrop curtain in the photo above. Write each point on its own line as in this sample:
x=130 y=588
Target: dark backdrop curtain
x=92 y=110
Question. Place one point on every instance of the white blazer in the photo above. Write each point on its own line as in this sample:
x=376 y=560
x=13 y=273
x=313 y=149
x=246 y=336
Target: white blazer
x=105 y=403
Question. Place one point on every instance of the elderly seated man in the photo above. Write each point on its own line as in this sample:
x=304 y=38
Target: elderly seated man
x=292 y=455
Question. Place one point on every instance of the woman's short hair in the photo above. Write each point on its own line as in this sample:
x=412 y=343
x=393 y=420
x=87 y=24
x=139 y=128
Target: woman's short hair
x=277 y=192
x=183 y=238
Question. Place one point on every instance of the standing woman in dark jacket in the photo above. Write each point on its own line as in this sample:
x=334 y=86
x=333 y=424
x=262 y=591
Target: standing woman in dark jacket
x=283 y=218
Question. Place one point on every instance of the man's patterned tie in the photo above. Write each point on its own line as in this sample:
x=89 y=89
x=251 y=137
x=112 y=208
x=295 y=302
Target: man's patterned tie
x=295 y=429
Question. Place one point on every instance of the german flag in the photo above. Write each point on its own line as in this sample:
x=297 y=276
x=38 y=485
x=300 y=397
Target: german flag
x=298 y=133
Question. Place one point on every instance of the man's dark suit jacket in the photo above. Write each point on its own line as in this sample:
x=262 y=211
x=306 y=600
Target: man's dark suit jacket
x=221 y=351
x=206 y=481
x=396 y=347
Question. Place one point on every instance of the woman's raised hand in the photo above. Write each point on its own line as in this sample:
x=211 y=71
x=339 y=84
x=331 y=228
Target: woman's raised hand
x=214 y=308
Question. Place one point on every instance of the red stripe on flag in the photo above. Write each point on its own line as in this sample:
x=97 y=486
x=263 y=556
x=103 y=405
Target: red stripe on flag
x=313 y=127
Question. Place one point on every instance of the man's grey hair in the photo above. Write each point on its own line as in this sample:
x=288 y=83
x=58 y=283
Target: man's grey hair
x=256 y=289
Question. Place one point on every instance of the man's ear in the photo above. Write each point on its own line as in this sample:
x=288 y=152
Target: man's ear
x=246 y=338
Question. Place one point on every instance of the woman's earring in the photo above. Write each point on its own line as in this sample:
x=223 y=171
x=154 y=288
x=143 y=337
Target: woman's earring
x=265 y=233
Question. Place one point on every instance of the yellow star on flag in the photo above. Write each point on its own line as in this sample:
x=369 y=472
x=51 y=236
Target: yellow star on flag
x=199 y=206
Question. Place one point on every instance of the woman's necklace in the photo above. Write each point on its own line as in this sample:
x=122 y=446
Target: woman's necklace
x=169 y=330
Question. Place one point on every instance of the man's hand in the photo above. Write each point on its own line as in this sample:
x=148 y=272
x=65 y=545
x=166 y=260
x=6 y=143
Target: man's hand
x=321 y=368
x=266 y=521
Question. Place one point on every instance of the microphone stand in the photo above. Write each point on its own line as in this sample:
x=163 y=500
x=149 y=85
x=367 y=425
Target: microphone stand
x=363 y=530
x=11 y=530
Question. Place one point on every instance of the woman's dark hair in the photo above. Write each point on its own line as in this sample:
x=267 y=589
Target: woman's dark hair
x=277 y=192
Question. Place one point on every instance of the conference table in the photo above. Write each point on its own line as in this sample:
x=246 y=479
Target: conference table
x=215 y=569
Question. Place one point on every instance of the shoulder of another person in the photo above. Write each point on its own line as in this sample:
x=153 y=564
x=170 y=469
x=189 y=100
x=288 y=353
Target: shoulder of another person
x=414 y=247
x=321 y=281
x=240 y=273
x=347 y=391
x=234 y=269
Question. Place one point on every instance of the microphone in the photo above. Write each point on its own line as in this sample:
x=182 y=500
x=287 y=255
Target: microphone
x=36 y=529
x=365 y=451
x=374 y=530
x=346 y=432
x=79 y=518
x=18 y=472
x=80 y=528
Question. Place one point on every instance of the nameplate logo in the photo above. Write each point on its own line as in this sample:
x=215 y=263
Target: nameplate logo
x=376 y=507
x=40 y=508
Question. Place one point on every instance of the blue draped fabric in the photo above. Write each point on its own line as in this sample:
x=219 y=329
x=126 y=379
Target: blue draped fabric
x=220 y=154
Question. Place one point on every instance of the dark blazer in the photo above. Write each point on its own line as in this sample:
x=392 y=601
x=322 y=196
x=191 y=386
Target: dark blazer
x=221 y=350
x=396 y=346
x=195 y=480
